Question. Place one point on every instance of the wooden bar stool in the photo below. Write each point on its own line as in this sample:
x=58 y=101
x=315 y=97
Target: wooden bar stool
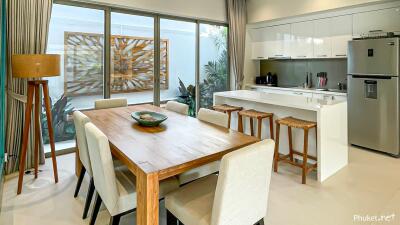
x=228 y=109
x=291 y=122
x=253 y=114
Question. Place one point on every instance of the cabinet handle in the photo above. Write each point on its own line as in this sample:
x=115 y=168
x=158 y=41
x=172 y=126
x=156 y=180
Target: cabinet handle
x=301 y=56
x=260 y=57
x=321 y=55
x=278 y=55
x=375 y=31
x=341 y=55
x=298 y=93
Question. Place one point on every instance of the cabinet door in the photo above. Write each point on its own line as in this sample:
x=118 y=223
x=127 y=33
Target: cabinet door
x=281 y=39
x=322 y=38
x=258 y=50
x=302 y=40
x=341 y=29
x=385 y=20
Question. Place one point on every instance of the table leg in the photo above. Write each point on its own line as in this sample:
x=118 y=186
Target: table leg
x=147 y=186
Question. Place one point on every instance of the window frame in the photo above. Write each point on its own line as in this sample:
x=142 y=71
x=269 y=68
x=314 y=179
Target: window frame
x=108 y=9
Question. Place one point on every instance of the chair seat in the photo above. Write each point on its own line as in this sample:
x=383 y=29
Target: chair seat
x=255 y=114
x=193 y=203
x=126 y=184
x=296 y=123
x=199 y=172
x=227 y=108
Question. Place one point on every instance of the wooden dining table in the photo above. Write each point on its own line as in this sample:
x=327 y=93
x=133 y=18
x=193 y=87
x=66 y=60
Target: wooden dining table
x=153 y=154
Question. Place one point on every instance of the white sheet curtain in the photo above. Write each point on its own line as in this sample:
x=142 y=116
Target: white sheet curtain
x=27 y=31
x=237 y=19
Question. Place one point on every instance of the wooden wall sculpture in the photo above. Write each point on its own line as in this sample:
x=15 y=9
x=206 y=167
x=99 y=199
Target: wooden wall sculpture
x=132 y=60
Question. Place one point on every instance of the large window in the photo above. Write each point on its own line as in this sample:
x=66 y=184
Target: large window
x=193 y=56
x=179 y=40
x=213 y=62
x=80 y=42
x=132 y=58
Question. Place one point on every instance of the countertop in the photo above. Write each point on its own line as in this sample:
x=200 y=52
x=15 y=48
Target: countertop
x=310 y=90
x=299 y=102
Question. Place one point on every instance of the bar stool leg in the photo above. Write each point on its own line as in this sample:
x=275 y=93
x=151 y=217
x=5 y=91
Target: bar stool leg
x=305 y=156
x=229 y=119
x=290 y=143
x=251 y=127
x=240 y=123
x=259 y=124
x=271 y=127
x=276 y=153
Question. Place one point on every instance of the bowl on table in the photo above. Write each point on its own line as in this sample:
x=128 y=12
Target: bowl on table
x=148 y=118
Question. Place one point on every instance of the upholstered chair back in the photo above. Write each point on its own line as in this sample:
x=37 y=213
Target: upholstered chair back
x=242 y=190
x=110 y=103
x=102 y=166
x=80 y=120
x=177 y=107
x=214 y=117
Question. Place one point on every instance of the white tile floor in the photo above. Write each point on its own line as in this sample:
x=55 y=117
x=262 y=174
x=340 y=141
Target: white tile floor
x=369 y=185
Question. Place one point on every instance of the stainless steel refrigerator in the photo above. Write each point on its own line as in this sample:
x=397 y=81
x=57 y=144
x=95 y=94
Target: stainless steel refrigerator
x=373 y=94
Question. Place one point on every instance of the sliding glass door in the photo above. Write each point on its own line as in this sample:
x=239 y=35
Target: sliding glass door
x=132 y=58
x=110 y=52
x=80 y=42
x=178 y=62
x=213 y=62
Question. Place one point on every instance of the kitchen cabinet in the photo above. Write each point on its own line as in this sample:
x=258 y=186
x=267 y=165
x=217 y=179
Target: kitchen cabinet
x=322 y=38
x=259 y=50
x=302 y=40
x=384 y=20
x=341 y=34
x=271 y=42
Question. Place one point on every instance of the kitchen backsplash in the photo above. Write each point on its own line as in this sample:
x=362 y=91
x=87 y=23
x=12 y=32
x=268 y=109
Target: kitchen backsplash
x=293 y=72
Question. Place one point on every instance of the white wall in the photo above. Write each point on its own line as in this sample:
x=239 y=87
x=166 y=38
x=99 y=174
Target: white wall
x=262 y=10
x=214 y=10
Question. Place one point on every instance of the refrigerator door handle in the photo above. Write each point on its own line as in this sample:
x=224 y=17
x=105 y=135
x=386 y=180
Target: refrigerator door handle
x=371 y=76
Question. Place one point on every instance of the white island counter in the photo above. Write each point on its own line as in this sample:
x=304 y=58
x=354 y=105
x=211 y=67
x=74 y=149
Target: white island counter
x=331 y=116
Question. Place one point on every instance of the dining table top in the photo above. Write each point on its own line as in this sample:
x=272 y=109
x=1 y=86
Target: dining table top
x=177 y=145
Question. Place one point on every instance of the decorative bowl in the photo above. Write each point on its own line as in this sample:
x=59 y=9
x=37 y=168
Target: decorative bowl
x=148 y=118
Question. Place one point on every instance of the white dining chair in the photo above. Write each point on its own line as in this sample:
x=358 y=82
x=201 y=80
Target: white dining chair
x=237 y=196
x=209 y=116
x=110 y=103
x=115 y=187
x=214 y=117
x=80 y=120
x=177 y=107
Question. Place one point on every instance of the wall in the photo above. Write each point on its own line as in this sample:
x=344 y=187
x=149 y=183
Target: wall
x=214 y=10
x=293 y=72
x=261 y=10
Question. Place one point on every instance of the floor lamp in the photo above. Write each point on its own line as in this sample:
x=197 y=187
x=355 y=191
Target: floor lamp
x=36 y=66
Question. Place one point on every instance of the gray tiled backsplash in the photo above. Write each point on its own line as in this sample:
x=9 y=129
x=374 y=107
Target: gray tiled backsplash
x=293 y=72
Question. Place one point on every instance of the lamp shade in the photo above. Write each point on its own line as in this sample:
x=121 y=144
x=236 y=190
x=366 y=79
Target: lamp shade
x=35 y=65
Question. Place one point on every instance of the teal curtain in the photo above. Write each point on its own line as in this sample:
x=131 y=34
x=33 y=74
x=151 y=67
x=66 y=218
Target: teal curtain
x=2 y=84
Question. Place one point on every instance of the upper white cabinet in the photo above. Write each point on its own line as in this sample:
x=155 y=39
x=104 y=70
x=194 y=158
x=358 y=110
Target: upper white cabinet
x=302 y=40
x=342 y=30
x=271 y=42
x=322 y=38
x=384 y=20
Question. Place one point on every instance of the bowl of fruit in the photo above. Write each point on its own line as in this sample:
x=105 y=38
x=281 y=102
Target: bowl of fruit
x=148 y=118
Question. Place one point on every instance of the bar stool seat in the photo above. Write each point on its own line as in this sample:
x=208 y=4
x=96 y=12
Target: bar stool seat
x=228 y=109
x=292 y=122
x=254 y=114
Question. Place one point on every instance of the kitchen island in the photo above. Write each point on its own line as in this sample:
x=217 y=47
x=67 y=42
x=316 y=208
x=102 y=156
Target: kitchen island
x=331 y=145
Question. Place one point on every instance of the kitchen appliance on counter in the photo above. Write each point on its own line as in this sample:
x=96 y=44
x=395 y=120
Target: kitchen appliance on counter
x=269 y=80
x=373 y=94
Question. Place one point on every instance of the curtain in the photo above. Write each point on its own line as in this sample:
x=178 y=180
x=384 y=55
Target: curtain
x=27 y=27
x=2 y=84
x=237 y=39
